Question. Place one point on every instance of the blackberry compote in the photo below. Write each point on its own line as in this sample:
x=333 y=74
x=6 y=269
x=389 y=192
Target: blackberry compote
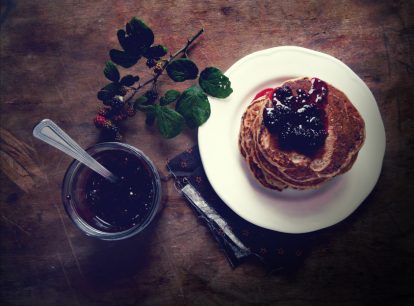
x=298 y=120
x=113 y=211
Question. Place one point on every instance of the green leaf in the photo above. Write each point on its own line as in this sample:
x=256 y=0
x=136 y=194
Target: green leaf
x=130 y=44
x=169 y=97
x=129 y=80
x=139 y=102
x=156 y=51
x=108 y=91
x=194 y=106
x=215 y=83
x=122 y=58
x=141 y=33
x=182 y=69
x=169 y=122
x=136 y=40
x=111 y=72
x=150 y=112
x=123 y=40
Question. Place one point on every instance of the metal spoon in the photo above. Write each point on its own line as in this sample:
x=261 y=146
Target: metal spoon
x=49 y=132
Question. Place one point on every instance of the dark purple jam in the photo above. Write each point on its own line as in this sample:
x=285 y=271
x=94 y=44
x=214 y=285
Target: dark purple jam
x=115 y=207
x=299 y=121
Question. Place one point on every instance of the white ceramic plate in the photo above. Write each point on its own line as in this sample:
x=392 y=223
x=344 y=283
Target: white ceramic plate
x=290 y=211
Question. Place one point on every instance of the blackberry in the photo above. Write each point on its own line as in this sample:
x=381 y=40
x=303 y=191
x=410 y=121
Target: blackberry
x=298 y=121
x=117 y=102
x=305 y=139
x=284 y=134
x=151 y=62
x=306 y=112
x=151 y=95
x=302 y=95
x=275 y=117
x=295 y=103
x=300 y=91
x=282 y=94
x=297 y=137
x=314 y=123
x=99 y=121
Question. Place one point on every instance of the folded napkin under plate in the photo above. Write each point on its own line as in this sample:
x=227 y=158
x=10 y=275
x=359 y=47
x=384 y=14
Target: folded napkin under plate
x=237 y=237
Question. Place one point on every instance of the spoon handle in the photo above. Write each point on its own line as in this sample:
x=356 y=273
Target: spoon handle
x=49 y=132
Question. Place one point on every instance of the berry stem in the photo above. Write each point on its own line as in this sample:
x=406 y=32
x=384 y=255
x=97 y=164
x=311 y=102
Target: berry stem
x=154 y=79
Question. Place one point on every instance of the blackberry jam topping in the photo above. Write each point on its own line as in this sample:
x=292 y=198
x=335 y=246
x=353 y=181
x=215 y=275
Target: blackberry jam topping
x=298 y=120
x=265 y=92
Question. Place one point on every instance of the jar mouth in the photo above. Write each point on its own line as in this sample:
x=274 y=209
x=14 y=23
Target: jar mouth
x=72 y=194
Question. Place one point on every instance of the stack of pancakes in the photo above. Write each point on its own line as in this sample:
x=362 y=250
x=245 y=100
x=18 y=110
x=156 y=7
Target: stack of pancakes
x=278 y=168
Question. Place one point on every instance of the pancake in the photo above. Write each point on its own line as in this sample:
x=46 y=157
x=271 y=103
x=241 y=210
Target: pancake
x=281 y=168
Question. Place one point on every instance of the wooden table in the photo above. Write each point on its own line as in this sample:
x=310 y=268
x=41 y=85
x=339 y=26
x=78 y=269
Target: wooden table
x=51 y=60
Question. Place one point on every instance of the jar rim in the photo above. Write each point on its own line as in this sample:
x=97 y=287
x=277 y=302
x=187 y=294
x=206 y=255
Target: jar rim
x=69 y=200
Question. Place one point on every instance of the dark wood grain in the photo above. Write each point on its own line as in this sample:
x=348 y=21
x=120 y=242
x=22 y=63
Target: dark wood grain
x=51 y=60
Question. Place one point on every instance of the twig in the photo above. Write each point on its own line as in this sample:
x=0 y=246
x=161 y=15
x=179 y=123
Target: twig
x=164 y=66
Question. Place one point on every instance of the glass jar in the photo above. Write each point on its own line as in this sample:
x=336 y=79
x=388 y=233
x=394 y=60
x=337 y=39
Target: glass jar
x=113 y=211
